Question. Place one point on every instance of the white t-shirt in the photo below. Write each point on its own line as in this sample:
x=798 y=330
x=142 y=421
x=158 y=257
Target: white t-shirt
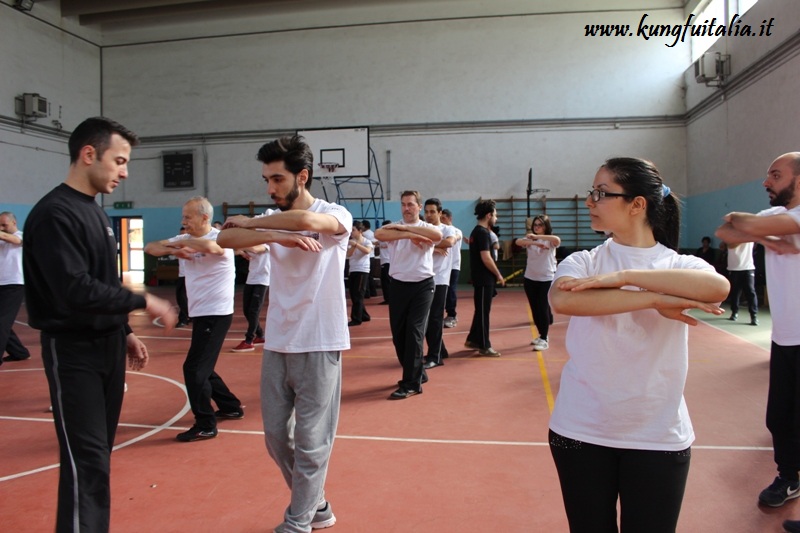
x=359 y=261
x=442 y=264
x=623 y=384
x=740 y=257
x=783 y=285
x=384 y=257
x=307 y=310
x=11 y=262
x=370 y=236
x=495 y=242
x=456 y=249
x=541 y=264
x=411 y=263
x=209 y=279
x=258 y=269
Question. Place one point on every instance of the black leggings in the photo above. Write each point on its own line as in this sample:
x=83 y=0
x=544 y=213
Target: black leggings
x=649 y=485
x=536 y=291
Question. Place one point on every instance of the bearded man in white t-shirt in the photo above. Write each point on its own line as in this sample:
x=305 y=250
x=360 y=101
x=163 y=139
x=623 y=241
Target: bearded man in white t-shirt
x=210 y=276
x=778 y=229
x=306 y=326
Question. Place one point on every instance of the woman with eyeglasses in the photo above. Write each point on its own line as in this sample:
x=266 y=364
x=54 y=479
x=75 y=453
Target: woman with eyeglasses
x=620 y=429
x=541 y=245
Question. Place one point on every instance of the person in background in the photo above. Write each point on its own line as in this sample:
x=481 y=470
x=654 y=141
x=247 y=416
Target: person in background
x=255 y=294
x=359 y=251
x=706 y=252
x=12 y=288
x=451 y=317
x=541 y=245
x=485 y=277
x=74 y=296
x=442 y=260
x=385 y=260
x=742 y=275
x=372 y=289
x=620 y=432
x=411 y=243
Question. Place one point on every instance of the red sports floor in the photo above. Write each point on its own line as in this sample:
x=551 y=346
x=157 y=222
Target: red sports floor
x=468 y=455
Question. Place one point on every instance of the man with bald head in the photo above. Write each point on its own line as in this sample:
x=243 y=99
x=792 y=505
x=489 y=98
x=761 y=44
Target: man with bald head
x=778 y=229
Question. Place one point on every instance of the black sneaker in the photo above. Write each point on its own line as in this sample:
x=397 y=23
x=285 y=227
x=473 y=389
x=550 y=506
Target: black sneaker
x=230 y=415
x=781 y=490
x=792 y=526
x=196 y=433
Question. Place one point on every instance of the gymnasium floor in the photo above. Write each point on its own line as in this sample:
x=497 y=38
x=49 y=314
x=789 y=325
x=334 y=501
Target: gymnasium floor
x=468 y=455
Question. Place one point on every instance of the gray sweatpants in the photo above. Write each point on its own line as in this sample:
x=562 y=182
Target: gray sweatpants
x=300 y=396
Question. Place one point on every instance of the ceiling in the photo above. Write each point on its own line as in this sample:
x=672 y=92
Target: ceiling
x=142 y=12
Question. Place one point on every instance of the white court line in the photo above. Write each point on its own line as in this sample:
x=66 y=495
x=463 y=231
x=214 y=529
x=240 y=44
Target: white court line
x=407 y=439
x=153 y=429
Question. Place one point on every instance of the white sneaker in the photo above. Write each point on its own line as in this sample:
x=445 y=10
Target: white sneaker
x=540 y=344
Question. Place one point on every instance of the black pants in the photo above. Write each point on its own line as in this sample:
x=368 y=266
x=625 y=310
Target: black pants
x=536 y=291
x=479 y=331
x=783 y=408
x=253 y=299
x=372 y=287
x=183 y=302
x=743 y=280
x=386 y=281
x=358 y=284
x=202 y=383
x=649 y=485
x=434 y=329
x=11 y=297
x=408 y=317
x=86 y=377
x=452 y=297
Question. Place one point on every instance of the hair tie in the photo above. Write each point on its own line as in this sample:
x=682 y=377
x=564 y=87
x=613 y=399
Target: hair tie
x=666 y=190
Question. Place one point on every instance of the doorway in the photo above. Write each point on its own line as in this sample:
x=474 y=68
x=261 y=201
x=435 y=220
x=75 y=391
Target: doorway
x=130 y=249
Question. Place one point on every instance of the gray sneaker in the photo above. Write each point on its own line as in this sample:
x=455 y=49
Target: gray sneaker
x=323 y=518
x=781 y=490
x=450 y=322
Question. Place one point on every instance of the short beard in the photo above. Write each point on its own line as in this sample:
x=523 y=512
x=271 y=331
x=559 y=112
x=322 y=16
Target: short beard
x=784 y=196
x=293 y=195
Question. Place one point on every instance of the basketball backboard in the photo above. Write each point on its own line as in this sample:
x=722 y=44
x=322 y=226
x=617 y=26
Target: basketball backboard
x=339 y=152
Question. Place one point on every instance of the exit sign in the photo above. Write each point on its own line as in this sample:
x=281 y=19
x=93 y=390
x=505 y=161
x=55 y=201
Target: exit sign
x=123 y=205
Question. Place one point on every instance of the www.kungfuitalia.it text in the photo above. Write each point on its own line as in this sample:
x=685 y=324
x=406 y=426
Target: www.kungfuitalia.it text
x=708 y=28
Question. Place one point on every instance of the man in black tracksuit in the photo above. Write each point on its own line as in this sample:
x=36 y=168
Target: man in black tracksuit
x=75 y=298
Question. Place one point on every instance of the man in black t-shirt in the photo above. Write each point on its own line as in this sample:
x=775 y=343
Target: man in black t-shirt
x=485 y=275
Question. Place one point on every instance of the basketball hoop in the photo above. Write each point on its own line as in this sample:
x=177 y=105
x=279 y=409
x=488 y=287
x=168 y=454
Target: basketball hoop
x=330 y=167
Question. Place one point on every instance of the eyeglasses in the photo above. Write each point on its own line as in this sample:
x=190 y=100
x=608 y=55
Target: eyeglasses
x=597 y=194
x=538 y=225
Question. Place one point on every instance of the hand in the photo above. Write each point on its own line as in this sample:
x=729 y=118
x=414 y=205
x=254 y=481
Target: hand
x=137 y=353
x=501 y=281
x=236 y=221
x=421 y=242
x=163 y=310
x=295 y=240
x=613 y=280
x=674 y=308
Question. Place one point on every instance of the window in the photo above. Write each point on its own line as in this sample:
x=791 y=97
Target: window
x=715 y=9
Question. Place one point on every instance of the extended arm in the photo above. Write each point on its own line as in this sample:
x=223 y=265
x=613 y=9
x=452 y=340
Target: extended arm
x=670 y=292
x=395 y=232
x=292 y=220
x=531 y=238
x=235 y=237
x=745 y=227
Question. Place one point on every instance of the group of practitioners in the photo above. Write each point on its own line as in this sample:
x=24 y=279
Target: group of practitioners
x=619 y=432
